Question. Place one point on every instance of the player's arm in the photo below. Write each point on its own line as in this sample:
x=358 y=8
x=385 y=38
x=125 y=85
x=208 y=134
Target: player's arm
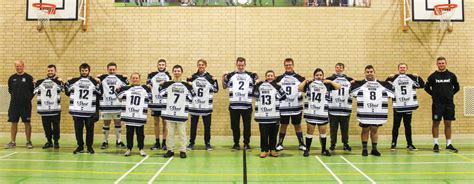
x=302 y=85
x=429 y=84
x=225 y=80
x=335 y=85
x=455 y=84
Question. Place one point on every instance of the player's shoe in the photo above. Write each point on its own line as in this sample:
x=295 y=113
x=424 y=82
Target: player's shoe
x=411 y=148
x=104 y=145
x=452 y=148
x=375 y=152
x=346 y=147
x=128 y=153
x=280 y=147
x=29 y=145
x=436 y=148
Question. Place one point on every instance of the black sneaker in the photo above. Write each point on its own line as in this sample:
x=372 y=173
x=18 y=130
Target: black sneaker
x=393 y=147
x=247 y=147
x=156 y=146
x=332 y=147
x=346 y=147
x=164 y=147
x=306 y=153
x=190 y=147
x=168 y=154
x=325 y=153
x=375 y=152
x=90 y=150
x=56 y=145
x=411 y=148
x=47 y=145
x=182 y=154
x=365 y=153
x=236 y=147
x=436 y=148
x=120 y=145
x=452 y=148
x=78 y=150
x=208 y=147
x=104 y=145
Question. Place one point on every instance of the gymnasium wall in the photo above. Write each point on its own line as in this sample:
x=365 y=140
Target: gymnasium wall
x=136 y=38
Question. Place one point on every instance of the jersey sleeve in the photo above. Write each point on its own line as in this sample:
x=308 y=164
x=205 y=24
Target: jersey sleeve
x=429 y=83
x=391 y=79
x=281 y=94
x=455 y=84
x=149 y=77
x=355 y=87
x=300 y=78
x=37 y=86
x=256 y=90
x=388 y=88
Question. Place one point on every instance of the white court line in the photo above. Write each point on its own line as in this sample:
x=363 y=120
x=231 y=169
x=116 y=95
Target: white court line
x=401 y=163
x=353 y=166
x=417 y=155
x=159 y=171
x=76 y=161
x=330 y=171
x=130 y=170
x=4 y=156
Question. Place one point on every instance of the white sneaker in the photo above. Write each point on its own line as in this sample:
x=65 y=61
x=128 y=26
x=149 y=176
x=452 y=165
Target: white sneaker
x=280 y=147
x=127 y=153
x=302 y=148
x=142 y=153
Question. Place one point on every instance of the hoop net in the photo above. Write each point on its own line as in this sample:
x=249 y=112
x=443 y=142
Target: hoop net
x=445 y=12
x=44 y=11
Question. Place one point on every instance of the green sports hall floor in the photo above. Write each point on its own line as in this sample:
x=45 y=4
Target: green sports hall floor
x=221 y=165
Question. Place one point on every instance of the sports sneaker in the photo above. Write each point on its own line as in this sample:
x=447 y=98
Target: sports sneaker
x=142 y=153
x=452 y=148
x=56 y=145
x=306 y=153
x=208 y=147
x=90 y=150
x=302 y=147
x=436 y=148
x=365 y=153
x=10 y=145
x=236 y=147
x=274 y=153
x=163 y=146
x=168 y=154
x=393 y=147
x=78 y=150
x=411 y=148
x=325 y=153
x=120 y=144
x=247 y=147
x=280 y=147
x=182 y=154
x=346 y=147
x=47 y=145
x=104 y=145
x=190 y=147
x=29 y=145
x=128 y=153
x=263 y=154
x=156 y=146
x=375 y=152
x=332 y=147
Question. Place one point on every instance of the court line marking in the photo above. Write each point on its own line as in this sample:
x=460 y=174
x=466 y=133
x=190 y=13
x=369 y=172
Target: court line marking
x=461 y=156
x=5 y=156
x=159 y=171
x=400 y=163
x=416 y=155
x=328 y=169
x=356 y=168
x=76 y=161
x=130 y=170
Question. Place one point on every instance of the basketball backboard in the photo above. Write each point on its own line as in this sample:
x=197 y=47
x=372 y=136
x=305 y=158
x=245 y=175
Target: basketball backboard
x=65 y=9
x=423 y=10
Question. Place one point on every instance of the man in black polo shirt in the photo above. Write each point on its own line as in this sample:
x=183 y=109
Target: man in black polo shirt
x=20 y=87
x=442 y=85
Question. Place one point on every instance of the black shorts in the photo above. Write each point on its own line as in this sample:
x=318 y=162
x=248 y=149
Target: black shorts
x=442 y=111
x=295 y=119
x=319 y=124
x=368 y=125
x=156 y=113
x=17 y=111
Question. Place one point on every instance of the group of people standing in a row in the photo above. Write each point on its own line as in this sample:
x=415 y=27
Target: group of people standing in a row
x=279 y=100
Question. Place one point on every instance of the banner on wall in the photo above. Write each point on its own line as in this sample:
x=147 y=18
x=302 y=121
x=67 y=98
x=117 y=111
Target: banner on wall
x=244 y=3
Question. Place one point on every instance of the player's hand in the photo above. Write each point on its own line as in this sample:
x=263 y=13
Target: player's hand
x=149 y=85
x=353 y=81
x=391 y=76
x=416 y=75
x=59 y=79
x=390 y=82
x=327 y=81
x=214 y=78
x=69 y=78
x=98 y=75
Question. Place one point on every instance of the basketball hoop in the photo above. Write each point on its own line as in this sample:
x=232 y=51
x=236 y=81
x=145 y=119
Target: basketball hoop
x=44 y=12
x=445 y=12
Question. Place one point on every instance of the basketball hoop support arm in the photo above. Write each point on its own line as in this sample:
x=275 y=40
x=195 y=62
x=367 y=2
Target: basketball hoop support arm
x=83 y=13
x=406 y=14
